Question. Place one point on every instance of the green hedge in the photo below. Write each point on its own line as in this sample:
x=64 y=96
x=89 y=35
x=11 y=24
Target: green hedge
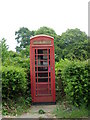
x=14 y=81
x=76 y=82
x=19 y=62
x=59 y=67
x=74 y=77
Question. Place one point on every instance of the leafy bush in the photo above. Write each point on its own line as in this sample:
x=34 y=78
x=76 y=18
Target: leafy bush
x=59 y=66
x=73 y=79
x=17 y=61
x=15 y=90
x=13 y=81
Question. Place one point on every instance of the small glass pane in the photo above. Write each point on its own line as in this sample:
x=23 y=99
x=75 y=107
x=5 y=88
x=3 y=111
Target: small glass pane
x=42 y=68
x=35 y=74
x=35 y=51
x=43 y=63
x=49 y=74
x=43 y=80
x=49 y=62
x=41 y=51
x=42 y=74
x=49 y=79
x=36 y=79
x=49 y=57
x=35 y=57
x=49 y=51
x=42 y=57
x=35 y=68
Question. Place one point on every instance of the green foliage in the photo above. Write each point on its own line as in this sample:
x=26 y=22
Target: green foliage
x=58 y=51
x=41 y=111
x=16 y=60
x=0 y=84
x=74 y=78
x=59 y=66
x=13 y=82
x=26 y=52
x=46 y=31
x=73 y=44
x=18 y=84
x=3 y=49
x=17 y=106
x=69 y=111
x=23 y=38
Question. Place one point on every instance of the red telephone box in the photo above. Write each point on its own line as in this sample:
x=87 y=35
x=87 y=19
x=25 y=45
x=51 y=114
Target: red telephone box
x=42 y=69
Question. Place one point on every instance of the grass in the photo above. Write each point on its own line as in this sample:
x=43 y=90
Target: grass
x=69 y=111
x=15 y=107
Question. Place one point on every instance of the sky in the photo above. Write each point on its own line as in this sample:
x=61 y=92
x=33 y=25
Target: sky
x=59 y=15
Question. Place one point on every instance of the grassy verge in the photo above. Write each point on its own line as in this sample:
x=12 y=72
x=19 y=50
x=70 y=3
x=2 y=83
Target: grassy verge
x=64 y=111
x=15 y=107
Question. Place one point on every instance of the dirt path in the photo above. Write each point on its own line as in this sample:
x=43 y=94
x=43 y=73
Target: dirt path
x=33 y=113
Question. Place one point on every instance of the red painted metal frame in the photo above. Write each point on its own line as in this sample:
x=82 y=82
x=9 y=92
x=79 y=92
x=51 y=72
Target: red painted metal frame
x=49 y=97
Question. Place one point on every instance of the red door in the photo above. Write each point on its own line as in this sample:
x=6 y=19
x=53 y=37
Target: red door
x=43 y=74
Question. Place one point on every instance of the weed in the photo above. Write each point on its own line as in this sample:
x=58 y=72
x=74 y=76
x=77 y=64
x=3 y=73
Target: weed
x=70 y=112
x=41 y=111
x=15 y=107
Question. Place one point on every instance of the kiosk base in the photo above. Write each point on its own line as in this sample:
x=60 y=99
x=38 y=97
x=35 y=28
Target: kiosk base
x=44 y=103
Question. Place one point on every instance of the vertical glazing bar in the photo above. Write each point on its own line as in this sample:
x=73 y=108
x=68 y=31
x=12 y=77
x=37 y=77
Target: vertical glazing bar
x=51 y=64
x=49 y=74
x=37 y=69
x=48 y=67
x=35 y=72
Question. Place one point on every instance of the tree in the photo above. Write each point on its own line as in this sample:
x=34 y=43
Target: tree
x=23 y=38
x=73 y=44
x=3 y=49
x=46 y=31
